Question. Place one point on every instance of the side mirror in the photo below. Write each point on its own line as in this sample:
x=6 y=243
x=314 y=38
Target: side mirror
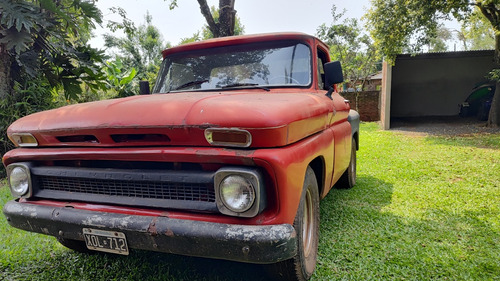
x=144 y=88
x=333 y=73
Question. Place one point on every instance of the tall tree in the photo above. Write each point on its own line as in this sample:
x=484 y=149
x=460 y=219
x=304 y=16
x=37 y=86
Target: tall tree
x=140 y=48
x=437 y=43
x=225 y=24
x=351 y=46
x=396 y=24
x=477 y=31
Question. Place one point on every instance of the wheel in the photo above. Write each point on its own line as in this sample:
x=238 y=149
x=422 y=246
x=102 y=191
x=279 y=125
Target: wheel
x=306 y=224
x=348 y=178
x=75 y=245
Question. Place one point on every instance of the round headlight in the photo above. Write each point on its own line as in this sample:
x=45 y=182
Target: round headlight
x=19 y=181
x=237 y=193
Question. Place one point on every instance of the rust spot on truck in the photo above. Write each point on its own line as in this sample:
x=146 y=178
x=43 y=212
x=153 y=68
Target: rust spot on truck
x=152 y=227
x=169 y=233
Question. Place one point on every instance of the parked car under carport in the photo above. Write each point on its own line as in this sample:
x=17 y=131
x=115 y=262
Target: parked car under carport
x=478 y=102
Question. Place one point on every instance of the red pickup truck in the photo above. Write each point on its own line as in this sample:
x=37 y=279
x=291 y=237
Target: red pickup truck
x=227 y=159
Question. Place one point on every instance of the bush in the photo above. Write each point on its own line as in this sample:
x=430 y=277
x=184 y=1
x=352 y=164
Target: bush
x=29 y=98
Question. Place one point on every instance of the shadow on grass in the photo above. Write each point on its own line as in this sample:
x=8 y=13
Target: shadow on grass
x=480 y=140
x=140 y=265
x=363 y=238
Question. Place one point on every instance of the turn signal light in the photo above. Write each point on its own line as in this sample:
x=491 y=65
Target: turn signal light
x=23 y=140
x=228 y=137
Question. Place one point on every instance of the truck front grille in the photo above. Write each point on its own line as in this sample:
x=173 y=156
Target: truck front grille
x=160 y=189
x=132 y=189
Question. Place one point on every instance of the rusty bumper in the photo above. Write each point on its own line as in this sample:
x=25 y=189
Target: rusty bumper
x=245 y=243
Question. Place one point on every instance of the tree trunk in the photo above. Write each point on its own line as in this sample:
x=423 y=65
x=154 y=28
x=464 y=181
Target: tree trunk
x=494 y=115
x=491 y=13
x=5 y=78
x=227 y=16
x=205 y=11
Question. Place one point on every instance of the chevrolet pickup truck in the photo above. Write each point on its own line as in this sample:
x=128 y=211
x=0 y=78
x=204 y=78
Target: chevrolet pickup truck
x=228 y=158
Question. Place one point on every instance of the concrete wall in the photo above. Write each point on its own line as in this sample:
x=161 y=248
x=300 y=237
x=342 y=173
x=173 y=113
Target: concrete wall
x=434 y=84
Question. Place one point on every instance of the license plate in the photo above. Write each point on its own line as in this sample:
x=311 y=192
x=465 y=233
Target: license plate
x=106 y=241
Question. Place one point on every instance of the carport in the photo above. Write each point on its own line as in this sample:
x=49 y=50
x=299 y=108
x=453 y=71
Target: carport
x=430 y=85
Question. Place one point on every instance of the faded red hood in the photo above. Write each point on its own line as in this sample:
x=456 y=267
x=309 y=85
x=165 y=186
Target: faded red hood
x=273 y=119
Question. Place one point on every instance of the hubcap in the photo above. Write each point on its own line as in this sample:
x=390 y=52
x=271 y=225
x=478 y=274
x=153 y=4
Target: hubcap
x=308 y=229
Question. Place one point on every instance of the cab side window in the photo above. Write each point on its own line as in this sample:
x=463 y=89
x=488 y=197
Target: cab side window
x=322 y=59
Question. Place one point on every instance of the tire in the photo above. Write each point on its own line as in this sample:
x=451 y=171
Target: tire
x=483 y=111
x=306 y=224
x=75 y=245
x=348 y=178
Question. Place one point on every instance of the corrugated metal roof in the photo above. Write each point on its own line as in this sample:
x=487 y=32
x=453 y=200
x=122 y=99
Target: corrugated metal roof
x=448 y=54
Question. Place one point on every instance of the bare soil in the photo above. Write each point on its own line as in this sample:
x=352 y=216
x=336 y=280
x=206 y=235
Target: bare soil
x=453 y=126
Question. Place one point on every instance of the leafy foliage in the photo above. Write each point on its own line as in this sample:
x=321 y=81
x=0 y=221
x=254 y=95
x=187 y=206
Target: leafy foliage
x=119 y=79
x=140 y=49
x=478 y=34
x=349 y=45
x=30 y=97
x=45 y=39
x=43 y=53
x=437 y=43
x=399 y=24
x=239 y=29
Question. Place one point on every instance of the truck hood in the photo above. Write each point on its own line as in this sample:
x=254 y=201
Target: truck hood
x=273 y=119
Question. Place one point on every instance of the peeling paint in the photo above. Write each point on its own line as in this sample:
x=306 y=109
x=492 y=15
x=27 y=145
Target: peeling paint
x=124 y=222
x=247 y=233
x=94 y=221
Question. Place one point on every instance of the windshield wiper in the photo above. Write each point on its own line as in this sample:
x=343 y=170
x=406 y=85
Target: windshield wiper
x=254 y=85
x=188 y=84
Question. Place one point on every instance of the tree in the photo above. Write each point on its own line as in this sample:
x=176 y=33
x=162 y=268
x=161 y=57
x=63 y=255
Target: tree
x=477 y=31
x=46 y=40
x=43 y=52
x=437 y=43
x=207 y=32
x=350 y=46
x=396 y=24
x=225 y=25
x=140 y=49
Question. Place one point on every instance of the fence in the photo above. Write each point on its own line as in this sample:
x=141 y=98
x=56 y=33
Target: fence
x=367 y=103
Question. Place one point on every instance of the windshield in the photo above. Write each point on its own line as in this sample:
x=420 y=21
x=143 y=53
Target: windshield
x=255 y=65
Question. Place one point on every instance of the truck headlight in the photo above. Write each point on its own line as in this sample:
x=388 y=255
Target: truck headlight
x=239 y=191
x=19 y=180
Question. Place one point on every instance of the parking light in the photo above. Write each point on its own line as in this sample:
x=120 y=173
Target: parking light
x=23 y=140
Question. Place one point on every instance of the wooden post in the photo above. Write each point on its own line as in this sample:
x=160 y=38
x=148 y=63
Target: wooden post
x=385 y=97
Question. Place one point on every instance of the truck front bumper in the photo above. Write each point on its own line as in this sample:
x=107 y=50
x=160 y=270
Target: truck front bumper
x=245 y=243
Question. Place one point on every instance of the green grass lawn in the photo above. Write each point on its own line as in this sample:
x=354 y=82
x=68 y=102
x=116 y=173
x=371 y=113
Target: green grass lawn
x=424 y=208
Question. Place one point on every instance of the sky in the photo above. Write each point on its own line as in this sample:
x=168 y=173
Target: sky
x=258 y=16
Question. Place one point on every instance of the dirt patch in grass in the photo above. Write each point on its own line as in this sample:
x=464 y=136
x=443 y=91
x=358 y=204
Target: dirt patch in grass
x=441 y=126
